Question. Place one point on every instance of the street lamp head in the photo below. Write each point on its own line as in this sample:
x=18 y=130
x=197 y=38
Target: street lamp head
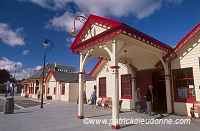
x=74 y=32
x=16 y=65
x=45 y=44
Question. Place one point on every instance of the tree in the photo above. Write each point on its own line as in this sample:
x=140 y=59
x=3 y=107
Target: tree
x=5 y=76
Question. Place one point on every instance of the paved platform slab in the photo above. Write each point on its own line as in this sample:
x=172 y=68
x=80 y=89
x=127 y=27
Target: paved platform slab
x=62 y=116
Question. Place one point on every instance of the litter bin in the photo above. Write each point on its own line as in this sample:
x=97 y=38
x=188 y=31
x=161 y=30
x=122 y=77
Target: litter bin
x=6 y=94
x=9 y=106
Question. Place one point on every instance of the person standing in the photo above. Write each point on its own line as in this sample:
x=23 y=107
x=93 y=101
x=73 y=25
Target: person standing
x=85 y=98
x=149 y=99
x=38 y=94
x=138 y=100
x=93 y=98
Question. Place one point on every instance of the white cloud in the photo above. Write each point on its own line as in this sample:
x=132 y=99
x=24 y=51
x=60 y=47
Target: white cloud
x=18 y=72
x=138 y=8
x=38 y=67
x=63 y=22
x=69 y=41
x=25 y=52
x=9 y=65
x=11 y=37
x=50 y=4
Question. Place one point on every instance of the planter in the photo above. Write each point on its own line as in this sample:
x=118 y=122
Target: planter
x=49 y=97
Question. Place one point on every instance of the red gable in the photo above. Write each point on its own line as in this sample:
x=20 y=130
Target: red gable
x=93 y=19
x=114 y=28
x=189 y=36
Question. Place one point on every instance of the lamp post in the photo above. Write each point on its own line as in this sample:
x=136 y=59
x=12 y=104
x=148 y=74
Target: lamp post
x=17 y=67
x=82 y=19
x=45 y=45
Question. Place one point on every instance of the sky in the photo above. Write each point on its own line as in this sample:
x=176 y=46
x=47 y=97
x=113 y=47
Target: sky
x=25 y=24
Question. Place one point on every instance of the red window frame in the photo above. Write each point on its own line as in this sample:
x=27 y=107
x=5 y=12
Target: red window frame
x=54 y=90
x=102 y=87
x=31 y=90
x=126 y=86
x=181 y=82
x=63 y=89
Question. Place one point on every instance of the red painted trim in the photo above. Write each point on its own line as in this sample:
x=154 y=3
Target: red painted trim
x=115 y=67
x=80 y=117
x=100 y=89
x=50 y=72
x=115 y=127
x=116 y=29
x=122 y=88
x=93 y=19
x=186 y=100
x=96 y=67
x=133 y=33
x=126 y=97
x=187 y=38
x=181 y=43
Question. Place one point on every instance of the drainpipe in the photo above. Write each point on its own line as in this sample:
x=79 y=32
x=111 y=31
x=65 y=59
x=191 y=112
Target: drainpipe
x=171 y=81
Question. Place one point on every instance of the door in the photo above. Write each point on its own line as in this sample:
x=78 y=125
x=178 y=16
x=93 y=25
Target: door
x=159 y=91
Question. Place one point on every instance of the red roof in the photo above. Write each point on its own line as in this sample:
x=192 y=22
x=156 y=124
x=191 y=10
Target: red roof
x=189 y=36
x=115 y=29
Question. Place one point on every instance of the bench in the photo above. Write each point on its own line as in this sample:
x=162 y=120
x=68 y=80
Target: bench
x=107 y=102
x=195 y=109
x=103 y=102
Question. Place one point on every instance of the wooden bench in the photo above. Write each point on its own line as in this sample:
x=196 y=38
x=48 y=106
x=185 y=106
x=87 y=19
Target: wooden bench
x=107 y=102
x=103 y=102
x=195 y=109
x=110 y=103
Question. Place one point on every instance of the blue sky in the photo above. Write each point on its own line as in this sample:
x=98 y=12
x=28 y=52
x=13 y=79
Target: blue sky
x=25 y=24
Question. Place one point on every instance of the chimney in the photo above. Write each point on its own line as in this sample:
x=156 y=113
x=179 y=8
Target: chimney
x=55 y=67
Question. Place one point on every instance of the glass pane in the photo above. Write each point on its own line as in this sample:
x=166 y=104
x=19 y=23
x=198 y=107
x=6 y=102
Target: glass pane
x=104 y=93
x=190 y=82
x=184 y=83
x=104 y=87
x=124 y=92
x=179 y=74
x=124 y=85
x=182 y=92
x=189 y=73
x=128 y=92
x=178 y=83
x=129 y=85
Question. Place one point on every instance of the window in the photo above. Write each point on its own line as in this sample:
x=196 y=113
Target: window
x=63 y=89
x=37 y=83
x=36 y=89
x=54 y=90
x=31 y=90
x=102 y=87
x=126 y=86
x=184 y=85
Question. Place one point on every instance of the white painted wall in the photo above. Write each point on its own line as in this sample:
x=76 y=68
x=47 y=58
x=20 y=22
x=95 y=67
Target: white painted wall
x=51 y=84
x=89 y=87
x=107 y=72
x=73 y=91
x=66 y=96
x=188 y=56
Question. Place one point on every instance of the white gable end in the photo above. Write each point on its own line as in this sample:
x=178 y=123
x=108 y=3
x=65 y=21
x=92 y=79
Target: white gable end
x=95 y=30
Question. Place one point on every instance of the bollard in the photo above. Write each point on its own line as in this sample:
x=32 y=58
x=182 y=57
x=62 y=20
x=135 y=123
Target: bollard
x=9 y=106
